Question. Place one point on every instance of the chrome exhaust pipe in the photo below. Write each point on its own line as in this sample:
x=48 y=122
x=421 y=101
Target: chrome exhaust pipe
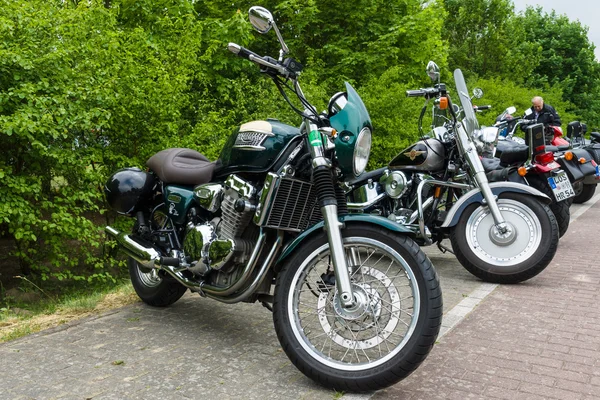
x=150 y=258
x=146 y=256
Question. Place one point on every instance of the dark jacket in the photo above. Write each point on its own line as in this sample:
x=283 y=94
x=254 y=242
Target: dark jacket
x=547 y=116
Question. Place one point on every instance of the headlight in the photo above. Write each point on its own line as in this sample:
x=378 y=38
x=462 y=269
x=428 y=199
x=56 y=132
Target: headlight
x=362 y=149
x=487 y=134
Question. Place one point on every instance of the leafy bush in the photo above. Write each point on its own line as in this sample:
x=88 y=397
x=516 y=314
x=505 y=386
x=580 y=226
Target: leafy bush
x=90 y=87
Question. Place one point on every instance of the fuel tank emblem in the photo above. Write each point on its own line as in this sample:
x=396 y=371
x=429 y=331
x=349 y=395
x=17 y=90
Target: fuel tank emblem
x=413 y=154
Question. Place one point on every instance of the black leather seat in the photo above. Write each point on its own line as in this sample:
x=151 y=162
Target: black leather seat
x=182 y=166
x=512 y=152
x=490 y=164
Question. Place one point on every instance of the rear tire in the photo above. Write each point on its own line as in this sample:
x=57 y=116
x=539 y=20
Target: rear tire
x=585 y=193
x=153 y=289
x=560 y=209
x=530 y=251
x=381 y=341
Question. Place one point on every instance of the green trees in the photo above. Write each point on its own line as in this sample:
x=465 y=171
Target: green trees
x=566 y=60
x=90 y=87
x=486 y=39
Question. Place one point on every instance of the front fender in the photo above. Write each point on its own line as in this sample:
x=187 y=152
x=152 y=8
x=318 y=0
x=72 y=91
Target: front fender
x=346 y=219
x=475 y=196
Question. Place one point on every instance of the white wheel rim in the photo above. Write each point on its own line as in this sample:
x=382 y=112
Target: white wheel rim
x=523 y=220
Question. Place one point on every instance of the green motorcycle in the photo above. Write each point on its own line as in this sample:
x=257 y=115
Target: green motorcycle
x=356 y=304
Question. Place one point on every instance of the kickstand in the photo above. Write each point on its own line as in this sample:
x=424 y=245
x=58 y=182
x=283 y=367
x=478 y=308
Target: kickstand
x=267 y=306
x=443 y=248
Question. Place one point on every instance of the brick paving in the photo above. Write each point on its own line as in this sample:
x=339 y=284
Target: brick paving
x=536 y=340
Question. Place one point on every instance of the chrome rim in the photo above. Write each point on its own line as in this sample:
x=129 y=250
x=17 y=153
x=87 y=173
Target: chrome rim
x=372 y=332
x=521 y=243
x=148 y=277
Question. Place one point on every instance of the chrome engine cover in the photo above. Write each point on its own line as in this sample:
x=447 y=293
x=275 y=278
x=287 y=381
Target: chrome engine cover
x=218 y=243
x=395 y=183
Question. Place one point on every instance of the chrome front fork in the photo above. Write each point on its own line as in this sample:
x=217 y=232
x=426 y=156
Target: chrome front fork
x=328 y=203
x=470 y=153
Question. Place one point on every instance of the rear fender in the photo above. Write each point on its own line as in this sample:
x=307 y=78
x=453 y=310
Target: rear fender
x=345 y=219
x=475 y=196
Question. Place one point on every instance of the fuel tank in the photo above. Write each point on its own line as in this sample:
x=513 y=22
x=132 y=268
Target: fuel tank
x=425 y=155
x=256 y=146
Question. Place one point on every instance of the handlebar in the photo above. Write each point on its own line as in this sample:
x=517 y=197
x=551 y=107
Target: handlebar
x=241 y=51
x=479 y=108
x=423 y=92
x=255 y=58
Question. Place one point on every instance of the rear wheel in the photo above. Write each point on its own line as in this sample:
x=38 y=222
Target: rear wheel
x=515 y=256
x=384 y=336
x=583 y=192
x=561 y=209
x=152 y=288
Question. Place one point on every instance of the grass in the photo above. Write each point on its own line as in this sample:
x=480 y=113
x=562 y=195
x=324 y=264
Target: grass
x=19 y=319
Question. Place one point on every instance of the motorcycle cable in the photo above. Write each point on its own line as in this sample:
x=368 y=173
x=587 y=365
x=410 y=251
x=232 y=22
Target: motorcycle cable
x=281 y=85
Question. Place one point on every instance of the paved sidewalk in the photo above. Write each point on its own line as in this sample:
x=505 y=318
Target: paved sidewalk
x=536 y=340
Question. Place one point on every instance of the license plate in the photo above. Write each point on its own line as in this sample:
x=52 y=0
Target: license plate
x=561 y=187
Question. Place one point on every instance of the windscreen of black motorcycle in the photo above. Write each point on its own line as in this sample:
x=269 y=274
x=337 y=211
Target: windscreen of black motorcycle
x=425 y=155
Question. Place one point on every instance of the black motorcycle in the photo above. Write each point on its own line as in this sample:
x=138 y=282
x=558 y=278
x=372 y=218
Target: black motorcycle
x=356 y=304
x=587 y=154
x=501 y=231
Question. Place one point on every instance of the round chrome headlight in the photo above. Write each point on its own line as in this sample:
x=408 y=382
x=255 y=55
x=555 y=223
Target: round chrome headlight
x=362 y=148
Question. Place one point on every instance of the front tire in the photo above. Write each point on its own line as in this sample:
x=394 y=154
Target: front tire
x=517 y=257
x=381 y=341
x=153 y=289
x=560 y=209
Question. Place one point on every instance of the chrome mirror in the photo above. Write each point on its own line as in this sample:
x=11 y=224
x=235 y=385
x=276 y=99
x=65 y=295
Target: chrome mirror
x=511 y=110
x=528 y=112
x=478 y=93
x=261 y=19
x=433 y=71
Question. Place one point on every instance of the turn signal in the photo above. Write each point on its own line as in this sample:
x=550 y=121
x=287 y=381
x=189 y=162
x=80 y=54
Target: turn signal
x=443 y=103
x=438 y=192
x=582 y=160
x=522 y=171
x=569 y=155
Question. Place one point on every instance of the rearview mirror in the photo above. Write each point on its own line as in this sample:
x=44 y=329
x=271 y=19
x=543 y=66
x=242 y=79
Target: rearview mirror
x=433 y=71
x=478 y=93
x=511 y=110
x=261 y=19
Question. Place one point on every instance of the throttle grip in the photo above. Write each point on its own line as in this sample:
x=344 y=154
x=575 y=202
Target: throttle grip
x=240 y=51
x=415 y=93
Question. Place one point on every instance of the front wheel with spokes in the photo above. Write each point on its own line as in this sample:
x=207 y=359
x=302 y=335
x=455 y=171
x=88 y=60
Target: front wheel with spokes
x=384 y=335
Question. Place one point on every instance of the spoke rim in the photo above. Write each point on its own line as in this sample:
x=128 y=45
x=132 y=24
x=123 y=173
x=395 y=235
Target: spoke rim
x=372 y=335
x=149 y=279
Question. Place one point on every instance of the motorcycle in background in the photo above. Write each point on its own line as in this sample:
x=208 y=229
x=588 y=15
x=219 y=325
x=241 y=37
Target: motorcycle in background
x=356 y=305
x=541 y=165
x=587 y=155
x=500 y=232
x=578 y=158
